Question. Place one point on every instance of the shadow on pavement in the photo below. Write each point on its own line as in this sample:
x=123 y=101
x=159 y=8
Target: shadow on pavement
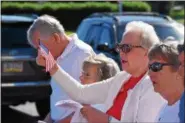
x=9 y=115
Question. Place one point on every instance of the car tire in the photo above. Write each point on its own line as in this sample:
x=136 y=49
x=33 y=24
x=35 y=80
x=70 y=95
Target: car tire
x=43 y=107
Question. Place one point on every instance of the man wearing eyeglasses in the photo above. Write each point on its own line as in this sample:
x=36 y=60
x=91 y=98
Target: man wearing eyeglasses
x=164 y=72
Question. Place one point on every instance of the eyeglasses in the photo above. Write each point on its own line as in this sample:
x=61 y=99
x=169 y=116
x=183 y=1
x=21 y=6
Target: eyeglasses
x=156 y=66
x=126 y=48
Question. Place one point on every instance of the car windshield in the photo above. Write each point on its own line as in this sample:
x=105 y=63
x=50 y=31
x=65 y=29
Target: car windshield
x=13 y=35
x=162 y=31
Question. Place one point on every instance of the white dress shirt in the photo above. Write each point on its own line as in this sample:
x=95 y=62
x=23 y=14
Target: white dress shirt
x=141 y=105
x=71 y=61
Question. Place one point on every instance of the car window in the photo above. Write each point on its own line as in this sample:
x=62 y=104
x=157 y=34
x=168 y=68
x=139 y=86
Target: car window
x=121 y=29
x=83 y=29
x=96 y=33
x=93 y=35
x=106 y=37
x=14 y=35
x=162 y=31
x=99 y=34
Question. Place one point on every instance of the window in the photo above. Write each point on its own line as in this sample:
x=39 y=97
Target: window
x=162 y=31
x=121 y=29
x=105 y=37
x=93 y=35
x=99 y=34
x=83 y=29
x=14 y=35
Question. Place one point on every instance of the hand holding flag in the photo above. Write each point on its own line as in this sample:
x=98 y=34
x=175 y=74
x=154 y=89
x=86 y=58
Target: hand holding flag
x=49 y=59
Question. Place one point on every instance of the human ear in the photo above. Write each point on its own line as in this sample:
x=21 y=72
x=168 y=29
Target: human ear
x=56 y=38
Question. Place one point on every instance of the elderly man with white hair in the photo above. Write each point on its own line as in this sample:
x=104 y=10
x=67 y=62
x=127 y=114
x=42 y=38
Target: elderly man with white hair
x=48 y=31
x=129 y=96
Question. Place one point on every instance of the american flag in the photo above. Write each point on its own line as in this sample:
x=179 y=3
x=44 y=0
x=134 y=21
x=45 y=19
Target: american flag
x=50 y=61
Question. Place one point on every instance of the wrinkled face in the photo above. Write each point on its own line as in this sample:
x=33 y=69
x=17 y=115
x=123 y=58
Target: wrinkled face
x=89 y=74
x=162 y=77
x=136 y=57
x=181 y=67
x=50 y=43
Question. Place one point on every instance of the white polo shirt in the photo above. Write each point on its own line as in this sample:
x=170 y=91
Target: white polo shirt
x=71 y=60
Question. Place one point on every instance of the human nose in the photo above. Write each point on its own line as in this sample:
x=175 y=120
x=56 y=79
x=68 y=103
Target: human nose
x=81 y=79
x=122 y=54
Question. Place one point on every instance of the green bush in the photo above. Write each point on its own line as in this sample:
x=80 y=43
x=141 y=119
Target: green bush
x=136 y=6
x=55 y=5
x=72 y=12
x=178 y=14
x=127 y=6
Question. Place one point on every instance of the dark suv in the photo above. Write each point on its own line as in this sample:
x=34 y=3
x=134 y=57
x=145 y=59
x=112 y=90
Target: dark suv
x=103 y=30
x=21 y=78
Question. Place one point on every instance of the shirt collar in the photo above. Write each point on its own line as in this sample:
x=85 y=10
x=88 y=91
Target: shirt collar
x=69 y=47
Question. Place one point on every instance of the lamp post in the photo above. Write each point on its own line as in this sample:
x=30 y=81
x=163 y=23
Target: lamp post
x=120 y=6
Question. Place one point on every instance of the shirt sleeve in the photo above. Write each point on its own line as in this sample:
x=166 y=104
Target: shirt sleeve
x=88 y=94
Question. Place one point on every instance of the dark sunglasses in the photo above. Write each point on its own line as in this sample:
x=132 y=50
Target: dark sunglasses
x=126 y=48
x=156 y=66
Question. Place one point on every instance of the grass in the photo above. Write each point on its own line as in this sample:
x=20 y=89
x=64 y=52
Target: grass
x=68 y=32
x=178 y=15
x=180 y=20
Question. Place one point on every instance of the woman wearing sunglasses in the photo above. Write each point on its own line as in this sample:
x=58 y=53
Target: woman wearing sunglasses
x=163 y=71
x=129 y=96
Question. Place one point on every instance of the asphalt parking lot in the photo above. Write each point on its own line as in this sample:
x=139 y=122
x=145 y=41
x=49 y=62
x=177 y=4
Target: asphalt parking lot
x=24 y=113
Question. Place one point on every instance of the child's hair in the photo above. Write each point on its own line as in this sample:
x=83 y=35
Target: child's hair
x=107 y=67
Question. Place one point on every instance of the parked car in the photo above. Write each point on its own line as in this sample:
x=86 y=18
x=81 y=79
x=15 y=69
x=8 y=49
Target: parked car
x=104 y=30
x=21 y=78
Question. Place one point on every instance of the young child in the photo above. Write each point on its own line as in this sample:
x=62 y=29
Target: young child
x=95 y=68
